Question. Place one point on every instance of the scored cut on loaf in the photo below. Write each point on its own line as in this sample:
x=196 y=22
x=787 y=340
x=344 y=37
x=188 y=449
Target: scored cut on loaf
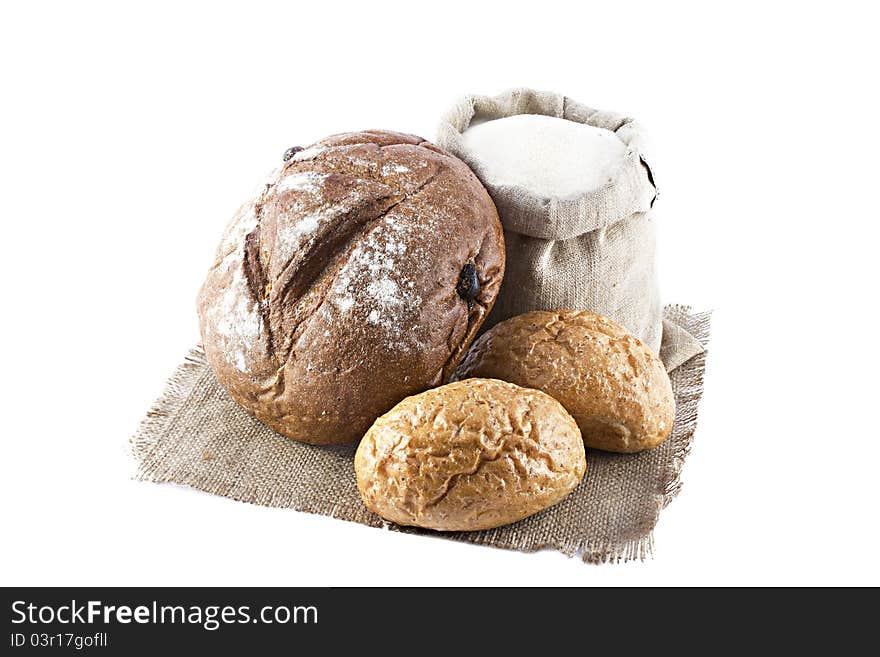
x=616 y=388
x=470 y=455
x=357 y=275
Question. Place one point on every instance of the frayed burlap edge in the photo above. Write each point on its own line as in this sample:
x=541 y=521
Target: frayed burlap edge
x=154 y=425
x=688 y=379
x=173 y=397
x=690 y=391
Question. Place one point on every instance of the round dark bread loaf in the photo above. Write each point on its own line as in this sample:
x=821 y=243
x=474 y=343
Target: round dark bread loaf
x=357 y=276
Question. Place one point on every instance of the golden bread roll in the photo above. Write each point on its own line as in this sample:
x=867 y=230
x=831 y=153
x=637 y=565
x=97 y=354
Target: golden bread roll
x=616 y=388
x=469 y=455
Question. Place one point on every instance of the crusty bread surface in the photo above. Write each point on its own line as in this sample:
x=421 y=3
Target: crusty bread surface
x=616 y=388
x=469 y=455
x=356 y=276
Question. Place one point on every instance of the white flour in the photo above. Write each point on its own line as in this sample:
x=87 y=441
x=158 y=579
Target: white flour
x=373 y=285
x=360 y=162
x=297 y=228
x=388 y=169
x=308 y=181
x=550 y=157
x=374 y=279
x=309 y=153
x=244 y=222
x=236 y=317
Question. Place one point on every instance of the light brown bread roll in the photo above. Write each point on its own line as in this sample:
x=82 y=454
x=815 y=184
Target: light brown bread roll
x=356 y=276
x=612 y=384
x=469 y=455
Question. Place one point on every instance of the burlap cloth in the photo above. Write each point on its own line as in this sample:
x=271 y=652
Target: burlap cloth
x=197 y=436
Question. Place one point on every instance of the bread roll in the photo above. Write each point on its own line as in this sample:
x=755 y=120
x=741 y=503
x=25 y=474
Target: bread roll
x=356 y=276
x=612 y=384
x=469 y=455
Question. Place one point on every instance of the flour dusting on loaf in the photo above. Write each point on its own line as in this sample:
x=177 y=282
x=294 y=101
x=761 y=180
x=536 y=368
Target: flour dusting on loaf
x=310 y=209
x=376 y=275
x=388 y=169
x=308 y=181
x=244 y=221
x=238 y=321
x=309 y=153
x=234 y=317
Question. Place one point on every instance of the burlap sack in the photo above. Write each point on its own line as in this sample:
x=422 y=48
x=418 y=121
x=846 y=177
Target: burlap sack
x=195 y=435
x=589 y=252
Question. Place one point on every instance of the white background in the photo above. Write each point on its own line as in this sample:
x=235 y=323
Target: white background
x=129 y=137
